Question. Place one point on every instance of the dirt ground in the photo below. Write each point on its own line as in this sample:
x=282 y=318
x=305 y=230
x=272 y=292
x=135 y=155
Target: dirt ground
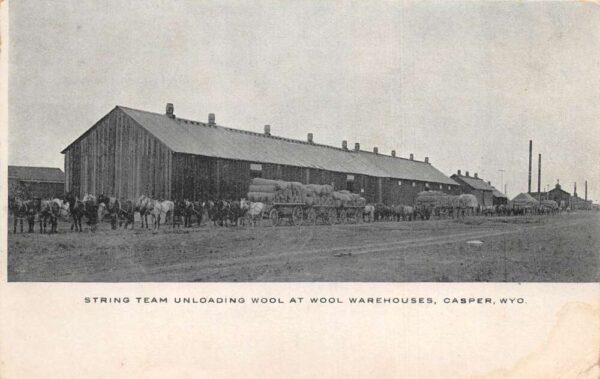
x=563 y=248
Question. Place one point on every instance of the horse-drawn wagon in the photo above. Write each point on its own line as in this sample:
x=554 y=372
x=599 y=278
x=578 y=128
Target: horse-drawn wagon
x=306 y=204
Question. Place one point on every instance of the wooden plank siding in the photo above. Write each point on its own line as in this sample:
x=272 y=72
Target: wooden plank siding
x=202 y=178
x=404 y=192
x=118 y=157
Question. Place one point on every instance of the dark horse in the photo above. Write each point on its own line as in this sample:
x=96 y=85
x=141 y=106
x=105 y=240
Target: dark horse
x=218 y=212
x=22 y=209
x=236 y=213
x=188 y=209
x=91 y=210
x=126 y=213
x=76 y=209
x=113 y=207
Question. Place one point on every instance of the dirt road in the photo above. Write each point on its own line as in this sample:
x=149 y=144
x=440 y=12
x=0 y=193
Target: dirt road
x=563 y=248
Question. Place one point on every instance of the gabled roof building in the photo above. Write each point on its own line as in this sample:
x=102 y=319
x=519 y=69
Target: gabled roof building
x=562 y=197
x=42 y=182
x=130 y=152
x=483 y=191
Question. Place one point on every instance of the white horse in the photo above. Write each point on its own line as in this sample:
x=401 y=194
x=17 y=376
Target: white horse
x=63 y=208
x=143 y=206
x=370 y=212
x=168 y=210
x=158 y=209
x=254 y=211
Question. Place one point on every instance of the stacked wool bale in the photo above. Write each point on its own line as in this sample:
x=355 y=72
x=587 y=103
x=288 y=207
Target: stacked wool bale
x=437 y=199
x=278 y=191
x=268 y=191
x=348 y=199
x=316 y=194
x=468 y=200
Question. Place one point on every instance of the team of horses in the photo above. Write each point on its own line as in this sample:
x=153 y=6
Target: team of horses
x=121 y=213
x=384 y=212
x=220 y=212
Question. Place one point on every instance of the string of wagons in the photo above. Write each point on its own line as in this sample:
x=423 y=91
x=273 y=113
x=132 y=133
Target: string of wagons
x=271 y=202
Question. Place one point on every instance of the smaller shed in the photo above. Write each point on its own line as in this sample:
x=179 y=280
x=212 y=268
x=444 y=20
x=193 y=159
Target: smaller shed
x=474 y=185
x=498 y=197
x=29 y=182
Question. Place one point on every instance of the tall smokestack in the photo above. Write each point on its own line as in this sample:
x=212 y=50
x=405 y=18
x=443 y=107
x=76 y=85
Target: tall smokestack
x=586 y=190
x=575 y=189
x=540 y=177
x=529 y=178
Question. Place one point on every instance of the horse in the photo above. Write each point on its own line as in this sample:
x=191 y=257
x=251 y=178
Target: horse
x=112 y=207
x=22 y=209
x=127 y=213
x=369 y=212
x=158 y=209
x=143 y=206
x=91 y=210
x=180 y=214
x=76 y=209
x=253 y=211
x=236 y=212
x=48 y=210
x=488 y=210
x=223 y=212
x=198 y=210
x=404 y=212
x=218 y=211
x=382 y=212
x=211 y=210
x=168 y=208
x=468 y=204
x=189 y=209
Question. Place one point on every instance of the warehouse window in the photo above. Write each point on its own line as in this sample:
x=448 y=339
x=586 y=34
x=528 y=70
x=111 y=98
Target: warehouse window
x=427 y=185
x=449 y=188
x=441 y=186
x=414 y=184
x=399 y=182
x=255 y=170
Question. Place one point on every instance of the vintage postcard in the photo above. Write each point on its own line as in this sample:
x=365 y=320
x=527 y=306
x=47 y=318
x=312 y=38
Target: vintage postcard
x=316 y=189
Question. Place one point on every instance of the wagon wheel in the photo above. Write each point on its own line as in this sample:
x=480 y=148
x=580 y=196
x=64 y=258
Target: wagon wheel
x=274 y=217
x=343 y=216
x=331 y=216
x=297 y=216
x=311 y=217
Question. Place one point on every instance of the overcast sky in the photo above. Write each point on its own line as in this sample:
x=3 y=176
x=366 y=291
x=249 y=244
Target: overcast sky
x=467 y=84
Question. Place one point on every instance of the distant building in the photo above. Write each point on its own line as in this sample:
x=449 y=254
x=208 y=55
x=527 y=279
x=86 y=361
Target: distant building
x=29 y=182
x=562 y=197
x=474 y=185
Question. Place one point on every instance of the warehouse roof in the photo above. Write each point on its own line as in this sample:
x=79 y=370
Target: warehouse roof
x=199 y=138
x=36 y=174
x=475 y=183
x=497 y=193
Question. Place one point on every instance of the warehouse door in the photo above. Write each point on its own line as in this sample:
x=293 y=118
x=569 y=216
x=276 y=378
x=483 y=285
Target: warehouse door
x=350 y=183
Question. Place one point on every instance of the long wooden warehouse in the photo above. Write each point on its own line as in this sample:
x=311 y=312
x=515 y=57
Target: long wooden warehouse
x=130 y=152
